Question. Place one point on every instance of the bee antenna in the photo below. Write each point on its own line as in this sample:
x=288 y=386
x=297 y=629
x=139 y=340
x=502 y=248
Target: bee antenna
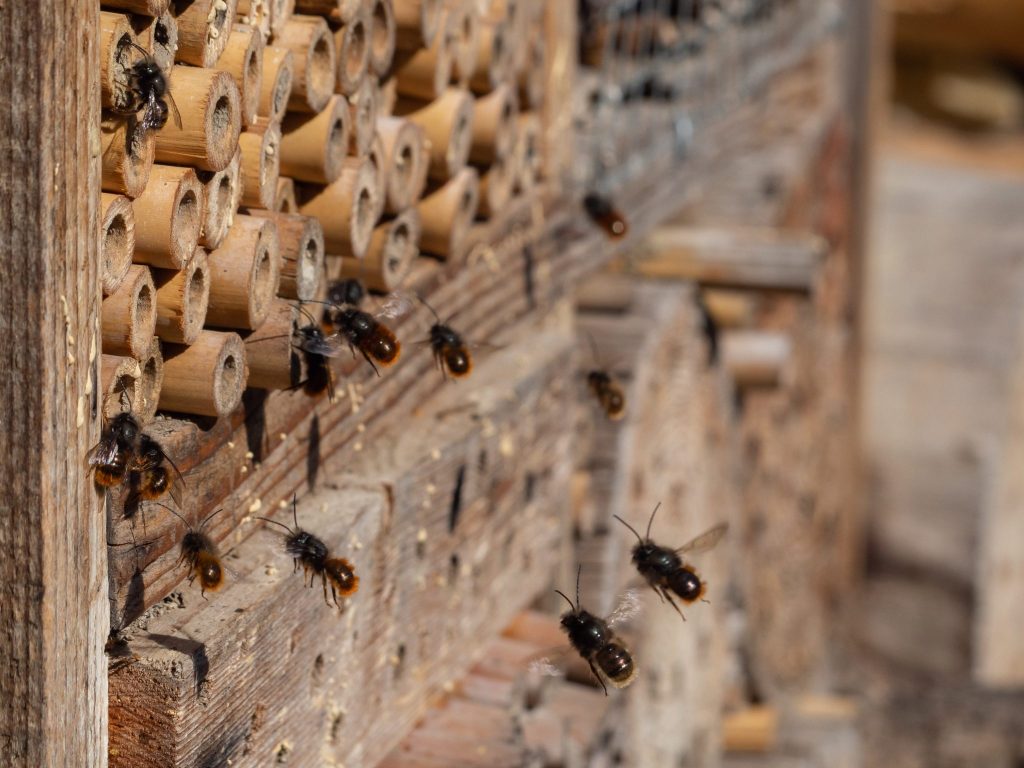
x=210 y=517
x=141 y=50
x=176 y=470
x=649 y=522
x=274 y=522
x=308 y=315
x=295 y=510
x=560 y=592
x=427 y=305
x=579 y=570
x=630 y=528
x=173 y=512
x=593 y=349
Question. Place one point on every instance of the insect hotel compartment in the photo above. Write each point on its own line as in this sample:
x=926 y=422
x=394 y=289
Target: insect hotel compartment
x=442 y=288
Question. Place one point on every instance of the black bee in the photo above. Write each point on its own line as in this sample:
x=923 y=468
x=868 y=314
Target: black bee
x=351 y=292
x=605 y=215
x=200 y=555
x=111 y=456
x=606 y=389
x=664 y=569
x=148 y=474
x=451 y=353
x=594 y=640
x=149 y=90
x=365 y=332
x=311 y=552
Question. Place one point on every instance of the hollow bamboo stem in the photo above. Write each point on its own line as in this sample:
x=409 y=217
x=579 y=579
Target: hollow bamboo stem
x=119 y=383
x=116 y=58
x=313 y=146
x=204 y=27
x=151 y=379
x=302 y=254
x=206 y=378
x=286 y=202
x=129 y=315
x=363 y=107
x=243 y=60
x=495 y=53
x=273 y=360
x=424 y=73
x=405 y=158
x=127 y=156
x=382 y=36
x=352 y=43
x=118 y=243
x=447 y=214
x=314 y=73
x=208 y=101
x=416 y=23
x=393 y=247
x=182 y=297
x=260 y=145
x=276 y=83
x=169 y=217
x=448 y=124
x=222 y=192
x=244 y=274
x=345 y=208
x=494 y=126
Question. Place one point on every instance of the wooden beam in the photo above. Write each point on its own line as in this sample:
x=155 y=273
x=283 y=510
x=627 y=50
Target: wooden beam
x=52 y=610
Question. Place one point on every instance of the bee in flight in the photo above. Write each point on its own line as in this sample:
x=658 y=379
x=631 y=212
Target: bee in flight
x=451 y=352
x=149 y=91
x=200 y=554
x=606 y=388
x=665 y=570
x=604 y=213
x=360 y=330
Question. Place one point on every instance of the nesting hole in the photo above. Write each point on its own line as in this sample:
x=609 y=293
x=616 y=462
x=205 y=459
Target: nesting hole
x=282 y=88
x=263 y=283
x=355 y=56
x=144 y=306
x=364 y=210
x=336 y=144
x=319 y=69
x=337 y=721
x=219 y=18
x=220 y=120
x=453 y=565
x=307 y=265
x=400 y=241
x=230 y=375
x=196 y=295
x=252 y=68
x=115 y=241
x=149 y=377
x=124 y=396
x=223 y=197
x=186 y=223
x=161 y=35
x=380 y=30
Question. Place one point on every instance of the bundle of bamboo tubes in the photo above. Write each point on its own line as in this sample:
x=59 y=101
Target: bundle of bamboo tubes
x=304 y=141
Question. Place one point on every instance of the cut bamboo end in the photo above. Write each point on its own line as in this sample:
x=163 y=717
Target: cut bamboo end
x=206 y=378
x=416 y=23
x=119 y=383
x=301 y=239
x=496 y=185
x=257 y=14
x=495 y=56
x=447 y=214
x=118 y=224
x=204 y=27
x=393 y=247
x=493 y=133
x=311 y=43
x=273 y=360
x=169 y=217
x=527 y=153
x=276 y=83
x=379 y=162
x=345 y=209
x=532 y=75
x=182 y=298
x=405 y=157
x=129 y=315
x=243 y=60
x=209 y=103
x=286 y=201
x=164 y=43
x=382 y=36
x=363 y=107
x=128 y=155
x=281 y=12
x=756 y=358
x=387 y=95
x=151 y=379
x=145 y=7
x=117 y=55
x=260 y=145
x=338 y=10
x=244 y=274
x=424 y=73
x=448 y=124
x=352 y=43
x=222 y=192
x=314 y=146
x=467 y=41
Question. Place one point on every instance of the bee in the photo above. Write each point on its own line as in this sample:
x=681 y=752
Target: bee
x=312 y=554
x=351 y=291
x=316 y=348
x=601 y=210
x=451 y=353
x=606 y=389
x=594 y=640
x=200 y=555
x=664 y=569
x=365 y=332
x=110 y=457
x=148 y=474
x=149 y=92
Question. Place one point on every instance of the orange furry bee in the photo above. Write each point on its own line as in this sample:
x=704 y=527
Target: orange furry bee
x=606 y=389
x=200 y=555
x=451 y=353
x=606 y=215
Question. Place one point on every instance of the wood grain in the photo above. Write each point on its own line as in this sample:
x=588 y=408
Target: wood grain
x=53 y=679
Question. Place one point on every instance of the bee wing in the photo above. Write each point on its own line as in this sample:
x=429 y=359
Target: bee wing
x=103 y=452
x=328 y=346
x=547 y=663
x=628 y=607
x=396 y=305
x=175 y=114
x=706 y=540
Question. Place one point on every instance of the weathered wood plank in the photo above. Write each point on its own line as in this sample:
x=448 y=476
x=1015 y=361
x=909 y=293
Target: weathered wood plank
x=52 y=610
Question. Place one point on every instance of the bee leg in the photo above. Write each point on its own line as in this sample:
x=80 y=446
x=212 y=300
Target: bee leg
x=334 y=595
x=323 y=579
x=295 y=564
x=370 y=361
x=594 y=670
x=673 y=602
x=658 y=593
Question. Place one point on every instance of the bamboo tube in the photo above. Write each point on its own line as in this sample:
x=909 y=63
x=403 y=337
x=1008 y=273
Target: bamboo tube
x=276 y=83
x=151 y=380
x=467 y=36
x=119 y=383
x=345 y=209
x=144 y=7
x=243 y=60
x=159 y=36
x=387 y=95
x=405 y=157
x=301 y=239
x=363 y=106
x=272 y=358
x=378 y=160
x=447 y=214
x=127 y=156
x=754 y=730
x=204 y=27
x=286 y=202
x=448 y=124
x=532 y=75
x=208 y=100
x=313 y=146
x=352 y=43
x=493 y=132
x=496 y=184
x=169 y=217
x=339 y=10
x=206 y=378
x=118 y=224
x=244 y=274
x=257 y=14
x=756 y=358
x=416 y=23
x=116 y=59
x=260 y=145
x=424 y=73
x=527 y=152
x=222 y=192
x=129 y=315
x=281 y=12
x=182 y=297
x=495 y=55
x=393 y=247
x=382 y=36
x=312 y=44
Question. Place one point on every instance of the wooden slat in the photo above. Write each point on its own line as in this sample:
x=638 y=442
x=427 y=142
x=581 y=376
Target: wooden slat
x=52 y=669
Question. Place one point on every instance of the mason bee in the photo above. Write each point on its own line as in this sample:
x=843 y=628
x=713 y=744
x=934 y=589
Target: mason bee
x=605 y=388
x=150 y=92
x=451 y=352
x=601 y=210
x=200 y=555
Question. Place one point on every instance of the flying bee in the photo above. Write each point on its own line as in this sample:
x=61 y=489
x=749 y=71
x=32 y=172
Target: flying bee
x=200 y=555
x=312 y=554
x=111 y=456
x=664 y=569
x=350 y=291
x=451 y=353
x=594 y=640
x=365 y=332
x=149 y=92
x=601 y=210
x=605 y=388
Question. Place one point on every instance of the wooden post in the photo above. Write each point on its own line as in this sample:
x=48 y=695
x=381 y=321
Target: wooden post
x=54 y=612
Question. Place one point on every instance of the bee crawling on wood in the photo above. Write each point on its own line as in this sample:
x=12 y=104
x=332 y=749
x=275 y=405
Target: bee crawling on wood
x=150 y=92
x=664 y=569
x=200 y=554
x=312 y=554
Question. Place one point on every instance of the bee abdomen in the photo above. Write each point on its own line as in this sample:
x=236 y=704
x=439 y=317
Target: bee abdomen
x=342 y=575
x=686 y=584
x=617 y=663
x=109 y=475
